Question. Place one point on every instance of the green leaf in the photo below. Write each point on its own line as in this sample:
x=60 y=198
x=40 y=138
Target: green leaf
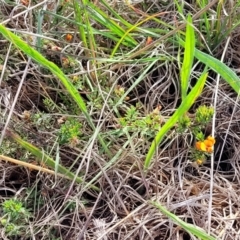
x=190 y=228
x=113 y=26
x=43 y=157
x=188 y=57
x=222 y=69
x=38 y=57
x=183 y=108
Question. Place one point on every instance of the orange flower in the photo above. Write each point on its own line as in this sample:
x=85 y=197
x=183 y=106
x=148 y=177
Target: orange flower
x=209 y=149
x=206 y=145
x=201 y=146
x=211 y=139
x=69 y=37
x=149 y=41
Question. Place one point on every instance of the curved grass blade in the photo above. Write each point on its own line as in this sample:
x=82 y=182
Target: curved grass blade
x=190 y=228
x=131 y=29
x=38 y=57
x=102 y=18
x=31 y=52
x=183 y=108
x=188 y=58
x=43 y=157
x=79 y=15
x=220 y=68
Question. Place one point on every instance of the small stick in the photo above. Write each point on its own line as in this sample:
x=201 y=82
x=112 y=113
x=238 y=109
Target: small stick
x=31 y=166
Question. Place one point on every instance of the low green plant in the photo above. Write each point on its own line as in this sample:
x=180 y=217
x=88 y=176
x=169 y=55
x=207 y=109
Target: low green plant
x=147 y=125
x=49 y=104
x=15 y=218
x=42 y=120
x=195 y=126
x=197 y=122
x=70 y=131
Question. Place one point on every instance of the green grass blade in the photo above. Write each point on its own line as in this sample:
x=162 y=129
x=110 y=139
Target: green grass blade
x=38 y=57
x=183 y=108
x=116 y=15
x=102 y=18
x=43 y=157
x=220 y=68
x=188 y=58
x=31 y=52
x=79 y=14
x=190 y=228
x=129 y=30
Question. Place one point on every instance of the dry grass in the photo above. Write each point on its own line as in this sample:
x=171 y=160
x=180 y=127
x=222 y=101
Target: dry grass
x=61 y=209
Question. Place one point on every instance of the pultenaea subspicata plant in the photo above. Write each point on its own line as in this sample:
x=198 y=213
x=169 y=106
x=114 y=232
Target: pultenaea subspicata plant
x=15 y=217
x=196 y=125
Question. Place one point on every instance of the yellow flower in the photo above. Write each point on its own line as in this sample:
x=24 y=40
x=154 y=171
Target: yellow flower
x=201 y=146
x=206 y=145
x=200 y=161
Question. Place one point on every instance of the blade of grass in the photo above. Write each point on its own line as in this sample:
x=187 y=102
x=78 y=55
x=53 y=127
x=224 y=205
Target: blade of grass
x=31 y=52
x=79 y=15
x=188 y=57
x=43 y=157
x=190 y=228
x=116 y=15
x=204 y=22
x=82 y=16
x=220 y=68
x=131 y=29
x=183 y=108
x=102 y=18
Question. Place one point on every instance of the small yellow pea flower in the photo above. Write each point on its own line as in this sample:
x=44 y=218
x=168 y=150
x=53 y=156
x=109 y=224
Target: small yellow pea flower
x=206 y=145
x=201 y=146
x=200 y=161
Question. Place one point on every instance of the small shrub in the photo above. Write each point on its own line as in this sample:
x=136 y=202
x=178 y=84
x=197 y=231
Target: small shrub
x=15 y=217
